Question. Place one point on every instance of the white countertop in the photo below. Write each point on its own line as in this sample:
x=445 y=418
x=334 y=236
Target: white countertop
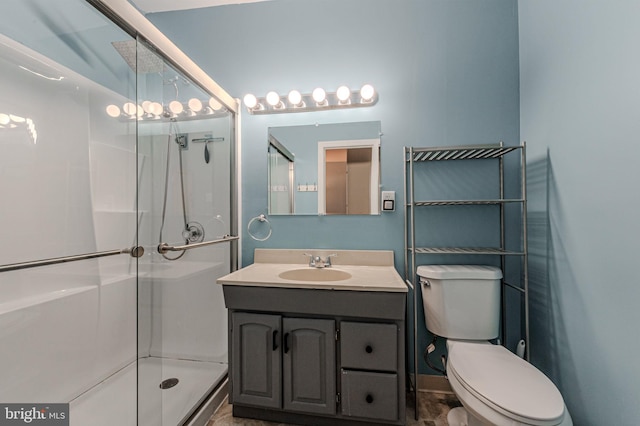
x=378 y=274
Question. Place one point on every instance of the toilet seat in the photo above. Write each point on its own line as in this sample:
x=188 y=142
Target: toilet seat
x=504 y=382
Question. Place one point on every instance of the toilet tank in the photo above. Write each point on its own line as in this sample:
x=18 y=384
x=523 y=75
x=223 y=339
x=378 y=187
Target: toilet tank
x=461 y=301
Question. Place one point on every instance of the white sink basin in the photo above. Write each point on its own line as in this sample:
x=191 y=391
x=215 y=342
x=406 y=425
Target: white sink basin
x=315 y=274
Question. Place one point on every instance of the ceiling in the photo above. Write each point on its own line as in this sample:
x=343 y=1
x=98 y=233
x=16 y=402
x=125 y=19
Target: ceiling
x=151 y=6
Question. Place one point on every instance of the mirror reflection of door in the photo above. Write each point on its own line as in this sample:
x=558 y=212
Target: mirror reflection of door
x=309 y=143
x=348 y=181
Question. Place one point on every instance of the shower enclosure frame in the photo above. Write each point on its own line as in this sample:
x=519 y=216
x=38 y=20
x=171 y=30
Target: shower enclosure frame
x=82 y=308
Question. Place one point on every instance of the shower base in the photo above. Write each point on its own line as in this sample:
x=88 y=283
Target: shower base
x=113 y=401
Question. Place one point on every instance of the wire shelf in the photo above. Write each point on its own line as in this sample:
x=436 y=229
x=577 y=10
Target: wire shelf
x=465 y=250
x=467 y=202
x=461 y=153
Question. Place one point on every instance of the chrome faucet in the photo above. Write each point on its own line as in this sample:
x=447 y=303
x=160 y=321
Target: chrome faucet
x=316 y=261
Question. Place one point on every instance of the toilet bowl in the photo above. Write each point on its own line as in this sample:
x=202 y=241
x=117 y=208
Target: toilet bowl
x=495 y=386
x=499 y=388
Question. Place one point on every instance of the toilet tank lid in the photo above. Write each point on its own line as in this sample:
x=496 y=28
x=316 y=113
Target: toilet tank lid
x=444 y=272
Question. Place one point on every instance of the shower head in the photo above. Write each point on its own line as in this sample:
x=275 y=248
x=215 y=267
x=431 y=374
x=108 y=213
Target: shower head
x=139 y=58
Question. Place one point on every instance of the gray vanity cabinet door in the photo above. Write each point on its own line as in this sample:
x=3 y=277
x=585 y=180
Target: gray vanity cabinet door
x=256 y=359
x=309 y=365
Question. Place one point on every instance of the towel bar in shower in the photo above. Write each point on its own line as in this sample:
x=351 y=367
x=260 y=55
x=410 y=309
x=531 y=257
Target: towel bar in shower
x=164 y=247
x=135 y=251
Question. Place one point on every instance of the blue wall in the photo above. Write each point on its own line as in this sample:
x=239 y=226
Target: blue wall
x=446 y=72
x=580 y=114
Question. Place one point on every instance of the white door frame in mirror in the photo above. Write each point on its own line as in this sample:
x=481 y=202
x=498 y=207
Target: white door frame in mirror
x=323 y=146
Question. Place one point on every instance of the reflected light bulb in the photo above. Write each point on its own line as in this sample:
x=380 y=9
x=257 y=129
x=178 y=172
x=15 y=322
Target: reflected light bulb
x=146 y=106
x=113 y=111
x=273 y=98
x=16 y=118
x=176 y=107
x=250 y=101
x=156 y=108
x=295 y=98
x=214 y=104
x=139 y=111
x=129 y=108
x=195 y=105
x=343 y=93
x=367 y=92
x=4 y=119
x=319 y=95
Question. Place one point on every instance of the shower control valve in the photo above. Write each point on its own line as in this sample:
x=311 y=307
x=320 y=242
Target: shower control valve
x=194 y=232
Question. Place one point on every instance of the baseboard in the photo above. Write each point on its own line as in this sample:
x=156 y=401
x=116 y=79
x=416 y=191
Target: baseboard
x=432 y=383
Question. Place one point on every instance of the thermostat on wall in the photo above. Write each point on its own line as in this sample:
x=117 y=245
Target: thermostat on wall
x=388 y=201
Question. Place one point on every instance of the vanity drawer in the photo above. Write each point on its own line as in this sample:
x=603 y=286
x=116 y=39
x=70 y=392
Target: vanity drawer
x=370 y=395
x=369 y=346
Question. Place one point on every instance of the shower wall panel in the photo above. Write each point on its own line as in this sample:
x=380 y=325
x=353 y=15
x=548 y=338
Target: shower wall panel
x=69 y=326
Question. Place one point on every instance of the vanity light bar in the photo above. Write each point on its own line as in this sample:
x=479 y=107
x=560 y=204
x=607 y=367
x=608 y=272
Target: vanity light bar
x=193 y=109
x=318 y=100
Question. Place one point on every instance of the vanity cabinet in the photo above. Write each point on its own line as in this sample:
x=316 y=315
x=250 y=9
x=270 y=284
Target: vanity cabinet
x=317 y=357
x=283 y=362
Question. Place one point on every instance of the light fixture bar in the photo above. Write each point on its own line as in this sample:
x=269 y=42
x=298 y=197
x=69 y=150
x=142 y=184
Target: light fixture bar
x=364 y=97
x=193 y=109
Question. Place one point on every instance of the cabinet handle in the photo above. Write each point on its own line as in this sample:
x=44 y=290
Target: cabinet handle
x=369 y=398
x=368 y=349
x=286 y=342
x=275 y=340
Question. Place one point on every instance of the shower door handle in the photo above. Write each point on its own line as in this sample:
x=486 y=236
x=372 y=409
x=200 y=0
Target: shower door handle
x=164 y=247
x=135 y=251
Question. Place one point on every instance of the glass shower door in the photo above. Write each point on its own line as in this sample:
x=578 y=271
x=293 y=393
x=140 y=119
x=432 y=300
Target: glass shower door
x=67 y=184
x=185 y=146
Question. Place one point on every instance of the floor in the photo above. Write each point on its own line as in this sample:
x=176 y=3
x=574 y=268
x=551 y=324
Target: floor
x=433 y=412
x=96 y=406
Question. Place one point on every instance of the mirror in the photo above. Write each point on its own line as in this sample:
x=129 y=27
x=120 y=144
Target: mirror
x=331 y=169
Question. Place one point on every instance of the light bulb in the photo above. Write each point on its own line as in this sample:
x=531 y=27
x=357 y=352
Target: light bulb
x=214 y=104
x=195 y=105
x=295 y=98
x=367 y=92
x=273 y=99
x=113 y=111
x=250 y=101
x=343 y=93
x=4 y=119
x=176 y=107
x=319 y=95
x=130 y=108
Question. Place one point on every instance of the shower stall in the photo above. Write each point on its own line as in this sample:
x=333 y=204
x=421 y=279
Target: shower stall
x=118 y=214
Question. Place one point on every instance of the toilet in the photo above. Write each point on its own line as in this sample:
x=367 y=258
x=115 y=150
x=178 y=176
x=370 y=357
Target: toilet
x=495 y=386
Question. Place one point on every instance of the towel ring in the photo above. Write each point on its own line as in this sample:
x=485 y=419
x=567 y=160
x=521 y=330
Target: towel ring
x=260 y=218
